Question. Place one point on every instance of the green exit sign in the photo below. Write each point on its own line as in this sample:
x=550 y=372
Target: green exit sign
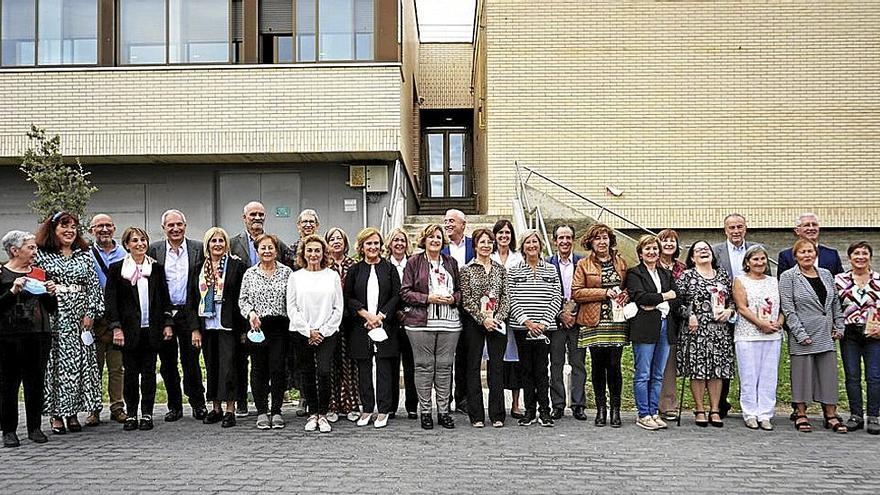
x=282 y=212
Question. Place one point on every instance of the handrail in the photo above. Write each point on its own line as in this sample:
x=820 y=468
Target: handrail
x=526 y=216
x=392 y=217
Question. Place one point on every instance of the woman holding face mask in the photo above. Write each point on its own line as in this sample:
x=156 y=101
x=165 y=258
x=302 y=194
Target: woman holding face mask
x=73 y=381
x=598 y=287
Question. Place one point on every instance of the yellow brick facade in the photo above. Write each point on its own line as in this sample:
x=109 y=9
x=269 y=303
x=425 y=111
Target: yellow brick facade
x=693 y=109
x=445 y=75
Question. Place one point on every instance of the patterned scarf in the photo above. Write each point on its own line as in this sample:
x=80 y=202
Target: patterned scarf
x=132 y=272
x=211 y=282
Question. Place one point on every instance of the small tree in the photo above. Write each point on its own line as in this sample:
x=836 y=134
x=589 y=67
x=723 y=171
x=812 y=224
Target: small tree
x=59 y=186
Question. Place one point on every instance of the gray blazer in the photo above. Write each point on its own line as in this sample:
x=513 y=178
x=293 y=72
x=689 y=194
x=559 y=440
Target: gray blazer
x=723 y=257
x=806 y=316
x=238 y=246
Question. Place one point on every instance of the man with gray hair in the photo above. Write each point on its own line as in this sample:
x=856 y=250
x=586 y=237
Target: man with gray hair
x=182 y=258
x=807 y=227
x=106 y=251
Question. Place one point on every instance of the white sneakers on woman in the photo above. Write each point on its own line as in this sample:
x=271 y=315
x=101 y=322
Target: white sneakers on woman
x=323 y=425
x=647 y=422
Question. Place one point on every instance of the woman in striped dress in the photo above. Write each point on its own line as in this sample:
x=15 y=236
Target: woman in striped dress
x=73 y=381
x=598 y=287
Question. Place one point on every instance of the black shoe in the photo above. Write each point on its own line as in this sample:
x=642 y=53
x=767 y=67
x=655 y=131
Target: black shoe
x=855 y=423
x=615 y=413
x=578 y=413
x=146 y=423
x=715 y=423
x=544 y=419
x=873 y=426
x=392 y=415
x=37 y=436
x=723 y=409
x=302 y=412
x=131 y=424
x=412 y=415
x=557 y=413
x=213 y=416
x=601 y=416
x=228 y=420
x=527 y=419
x=241 y=410
x=173 y=415
x=74 y=426
x=446 y=421
x=10 y=439
x=427 y=422
x=517 y=414
x=793 y=416
x=200 y=413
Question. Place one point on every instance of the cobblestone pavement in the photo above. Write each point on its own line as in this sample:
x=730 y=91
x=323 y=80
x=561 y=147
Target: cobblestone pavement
x=575 y=457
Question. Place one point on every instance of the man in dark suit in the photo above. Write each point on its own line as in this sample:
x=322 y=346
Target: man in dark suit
x=181 y=258
x=564 y=340
x=808 y=228
x=462 y=250
x=730 y=254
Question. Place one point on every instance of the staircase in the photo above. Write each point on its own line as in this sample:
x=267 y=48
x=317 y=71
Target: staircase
x=413 y=224
x=438 y=206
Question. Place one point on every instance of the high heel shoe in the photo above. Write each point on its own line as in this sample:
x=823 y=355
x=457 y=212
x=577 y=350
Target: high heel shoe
x=73 y=425
x=702 y=423
x=57 y=426
x=716 y=424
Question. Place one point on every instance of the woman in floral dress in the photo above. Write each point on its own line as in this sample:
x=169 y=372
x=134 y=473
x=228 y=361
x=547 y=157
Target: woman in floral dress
x=73 y=381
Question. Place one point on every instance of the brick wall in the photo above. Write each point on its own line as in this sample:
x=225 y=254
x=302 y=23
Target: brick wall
x=445 y=75
x=693 y=109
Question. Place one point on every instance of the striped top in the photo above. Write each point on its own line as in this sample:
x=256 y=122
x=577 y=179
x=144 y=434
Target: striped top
x=857 y=302
x=534 y=295
x=806 y=316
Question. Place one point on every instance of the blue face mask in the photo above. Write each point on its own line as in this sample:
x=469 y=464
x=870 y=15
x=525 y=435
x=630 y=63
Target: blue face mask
x=256 y=336
x=35 y=287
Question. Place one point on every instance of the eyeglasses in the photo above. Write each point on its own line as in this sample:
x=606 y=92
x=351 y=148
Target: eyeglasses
x=308 y=222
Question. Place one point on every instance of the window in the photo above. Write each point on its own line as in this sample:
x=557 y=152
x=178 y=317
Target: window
x=446 y=157
x=334 y=30
x=174 y=31
x=49 y=32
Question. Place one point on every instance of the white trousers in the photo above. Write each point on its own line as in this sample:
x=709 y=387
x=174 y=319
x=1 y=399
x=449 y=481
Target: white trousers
x=758 y=363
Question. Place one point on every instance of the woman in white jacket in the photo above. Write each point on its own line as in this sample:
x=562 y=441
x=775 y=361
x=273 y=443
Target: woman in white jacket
x=314 y=306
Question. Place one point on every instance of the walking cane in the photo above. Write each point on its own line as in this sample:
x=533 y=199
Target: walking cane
x=680 y=401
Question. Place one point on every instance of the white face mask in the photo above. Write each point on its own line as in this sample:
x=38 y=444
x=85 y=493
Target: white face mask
x=87 y=338
x=256 y=336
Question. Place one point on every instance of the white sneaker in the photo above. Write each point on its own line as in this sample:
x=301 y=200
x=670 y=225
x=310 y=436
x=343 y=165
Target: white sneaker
x=312 y=423
x=332 y=417
x=381 y=421
x=365 y=419
x=766 y=425
x=263 y=422
x=661 y=425
x=647 y=422
x=752 y=424
x=278 y=422
x=323 y=425
x=354 y=416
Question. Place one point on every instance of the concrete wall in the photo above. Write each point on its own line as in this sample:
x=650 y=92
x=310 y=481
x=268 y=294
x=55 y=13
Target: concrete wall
x=692 y=108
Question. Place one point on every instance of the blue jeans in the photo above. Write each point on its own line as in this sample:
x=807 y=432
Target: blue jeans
x=650 y=361
x=854 y=351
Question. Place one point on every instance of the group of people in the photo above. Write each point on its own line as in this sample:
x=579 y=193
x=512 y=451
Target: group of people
x=270 y=318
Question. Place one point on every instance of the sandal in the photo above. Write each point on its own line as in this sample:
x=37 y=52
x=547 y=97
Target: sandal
x=716 y=424
x=57 y=425
x=802 y=426
x=701 y=423
x=73 y=425
x=837 y=426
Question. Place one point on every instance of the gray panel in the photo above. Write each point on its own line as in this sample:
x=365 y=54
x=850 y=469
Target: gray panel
x=126 y=203
x=233 y=192
x=280 y=194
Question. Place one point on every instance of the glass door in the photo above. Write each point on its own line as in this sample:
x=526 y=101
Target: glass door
x=446 y=157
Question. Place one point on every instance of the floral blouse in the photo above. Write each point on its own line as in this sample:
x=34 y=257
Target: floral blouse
x=857 y=302
x=265 y=295
x=476 y=284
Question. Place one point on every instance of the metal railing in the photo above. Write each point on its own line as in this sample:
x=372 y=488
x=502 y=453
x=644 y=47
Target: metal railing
x=394 y=213
x=528 y=217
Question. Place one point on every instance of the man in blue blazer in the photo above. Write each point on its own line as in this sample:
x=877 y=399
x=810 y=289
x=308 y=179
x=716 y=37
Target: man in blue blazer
x=565 y=340
x=808 y=228
x=462 y=250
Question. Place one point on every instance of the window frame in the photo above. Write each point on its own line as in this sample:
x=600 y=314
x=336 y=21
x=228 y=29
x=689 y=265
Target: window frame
x=230 y=42
x=37 y=41
x=317 y=31
x=467 y=164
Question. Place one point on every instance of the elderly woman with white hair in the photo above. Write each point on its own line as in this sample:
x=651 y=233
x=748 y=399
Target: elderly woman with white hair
x=535 y=299
x=26 y=301
x=757 y=337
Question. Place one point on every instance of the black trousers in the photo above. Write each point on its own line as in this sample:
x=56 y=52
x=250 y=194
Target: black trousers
x=241 y=374
x=189 y=364
x=219 y=347
x=139 y=378
x=314 y=363
x=477 y=336
x=269 y=364
x=605 y=371
x=409 y=382
x=534 y=357
x=459 y=374
x=22 y=363
x=382 y=394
